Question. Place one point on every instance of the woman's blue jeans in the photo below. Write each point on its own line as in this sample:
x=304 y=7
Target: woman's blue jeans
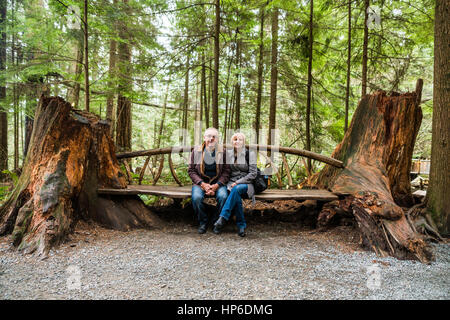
x=198 y=194
x=234 y=205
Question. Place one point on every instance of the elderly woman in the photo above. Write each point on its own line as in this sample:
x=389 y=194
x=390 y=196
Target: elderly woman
x=243 y=171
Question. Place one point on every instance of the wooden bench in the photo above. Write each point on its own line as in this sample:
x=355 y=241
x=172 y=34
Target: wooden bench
x=177 y=192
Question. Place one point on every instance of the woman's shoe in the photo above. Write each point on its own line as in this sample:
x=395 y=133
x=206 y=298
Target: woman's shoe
x=241 y=232
x=216 y=230
x=220 y=223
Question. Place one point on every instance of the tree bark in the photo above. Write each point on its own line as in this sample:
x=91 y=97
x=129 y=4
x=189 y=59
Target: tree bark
x=86 y=58
x=183 y=138
x=71 y=155
x=437 y=199
x=364 y=55
x=309 y=85
x=237 y=121
x=123 y=117
x=110 y=98
x=273 y=76
x=349 y=57
x=205 y=93
x=215 y=91
x=3 y=114
x=123 y=131
x=74 y=92
x=16 y=95
x=376 y=152
x=209 y=97
x=260 y=75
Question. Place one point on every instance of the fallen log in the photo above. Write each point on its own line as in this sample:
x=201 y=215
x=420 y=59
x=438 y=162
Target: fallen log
x=70 y=156
x=377 y=151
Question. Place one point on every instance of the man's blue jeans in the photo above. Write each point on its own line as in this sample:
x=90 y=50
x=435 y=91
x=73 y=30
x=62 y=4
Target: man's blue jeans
x=234 y=205
x=198 y=194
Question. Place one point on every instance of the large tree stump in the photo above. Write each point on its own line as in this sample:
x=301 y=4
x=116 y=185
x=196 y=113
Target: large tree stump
x=376 y=152
x=70 y=155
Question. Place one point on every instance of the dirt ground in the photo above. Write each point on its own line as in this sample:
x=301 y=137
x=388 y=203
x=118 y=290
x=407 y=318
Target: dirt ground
x=282 y=257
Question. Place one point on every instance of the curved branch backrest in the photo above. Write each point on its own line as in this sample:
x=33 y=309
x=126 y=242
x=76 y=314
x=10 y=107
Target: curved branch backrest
x=261 y=149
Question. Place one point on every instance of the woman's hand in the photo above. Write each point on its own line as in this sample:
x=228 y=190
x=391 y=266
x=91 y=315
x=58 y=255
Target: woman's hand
x=233 y=185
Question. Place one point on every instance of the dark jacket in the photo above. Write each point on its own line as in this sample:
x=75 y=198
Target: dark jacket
x=243 y=170
x=196 y=168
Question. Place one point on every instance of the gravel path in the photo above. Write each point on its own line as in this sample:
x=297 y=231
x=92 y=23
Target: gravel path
x=276 y=261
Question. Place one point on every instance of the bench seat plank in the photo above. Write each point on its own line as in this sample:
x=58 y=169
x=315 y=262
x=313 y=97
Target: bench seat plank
x=185 y=192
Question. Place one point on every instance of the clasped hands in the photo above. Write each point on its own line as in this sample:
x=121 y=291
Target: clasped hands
x=210 y=189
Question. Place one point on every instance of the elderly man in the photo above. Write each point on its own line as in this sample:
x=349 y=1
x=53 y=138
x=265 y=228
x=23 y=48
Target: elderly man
x=209 y=174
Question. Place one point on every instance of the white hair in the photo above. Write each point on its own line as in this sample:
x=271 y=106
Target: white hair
x=238 y=134
x=211 y=129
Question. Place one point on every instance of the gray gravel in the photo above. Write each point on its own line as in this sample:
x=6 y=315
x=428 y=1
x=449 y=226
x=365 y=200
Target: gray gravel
x=279 y=261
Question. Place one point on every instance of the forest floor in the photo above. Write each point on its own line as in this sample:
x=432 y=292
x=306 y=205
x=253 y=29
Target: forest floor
x=280 y=258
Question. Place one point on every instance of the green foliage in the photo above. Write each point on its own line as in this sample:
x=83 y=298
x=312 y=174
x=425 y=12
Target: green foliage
x=4 y=193
x=161 y=34
x=149 y=200
x=12 y=175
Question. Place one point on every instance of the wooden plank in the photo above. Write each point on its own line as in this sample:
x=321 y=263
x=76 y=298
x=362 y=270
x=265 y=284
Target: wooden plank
x=185 y=192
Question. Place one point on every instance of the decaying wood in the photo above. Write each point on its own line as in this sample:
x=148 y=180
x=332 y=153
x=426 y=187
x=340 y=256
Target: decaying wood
x=70 y=156
x=376 y=152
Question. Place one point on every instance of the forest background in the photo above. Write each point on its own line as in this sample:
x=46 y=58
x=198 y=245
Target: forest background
x=155 y=67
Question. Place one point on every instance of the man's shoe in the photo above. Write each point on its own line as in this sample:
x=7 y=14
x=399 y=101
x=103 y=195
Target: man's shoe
x=241 y=232
x=220 y=223
x=202 y=229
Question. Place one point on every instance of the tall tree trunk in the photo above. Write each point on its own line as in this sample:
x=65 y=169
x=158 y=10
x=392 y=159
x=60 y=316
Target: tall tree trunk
x=198 y=106
x=74 y=92
x=227 y=108
x=204 y=91
x=71 y=155
x=309 y=85
x=215 y=91
x=260 y=74
x=183 y=140
x=210 y=86
x=202 y=86
x=349 y=56
x=273 y=76
x=3 y=114
x=14 y=62
x=364 y=55
x=438 y=199
x=237 y=111
x=16 y=127
x=110 y=98
x=86 y=59
x=33 y=90
x=123 y=128
x=376 y=152
x=163 y=117
x=112 y=73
